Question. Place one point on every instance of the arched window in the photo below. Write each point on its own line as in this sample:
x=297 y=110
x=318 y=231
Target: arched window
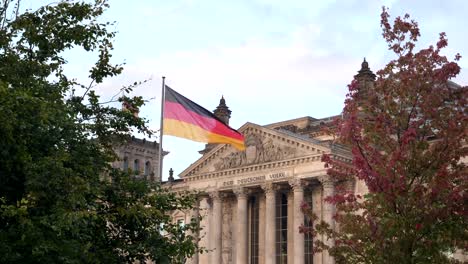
x=147 y=168
x=125 y=164
x=136 y=166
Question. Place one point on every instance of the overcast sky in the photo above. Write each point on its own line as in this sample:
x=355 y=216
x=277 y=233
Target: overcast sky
x=273 y=60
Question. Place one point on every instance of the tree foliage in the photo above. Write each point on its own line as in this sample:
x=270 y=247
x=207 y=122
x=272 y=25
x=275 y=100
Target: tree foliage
x=407 y=133
x=60 y=200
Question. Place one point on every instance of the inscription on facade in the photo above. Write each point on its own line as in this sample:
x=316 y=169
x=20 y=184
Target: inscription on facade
x=277 y=175
x=261 y=178
x=228 y=183
x=251 y=179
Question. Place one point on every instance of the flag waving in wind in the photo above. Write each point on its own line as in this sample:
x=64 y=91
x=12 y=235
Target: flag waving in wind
x=186 y=119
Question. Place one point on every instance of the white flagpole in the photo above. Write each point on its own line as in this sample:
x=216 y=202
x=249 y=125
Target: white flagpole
x=163 y=89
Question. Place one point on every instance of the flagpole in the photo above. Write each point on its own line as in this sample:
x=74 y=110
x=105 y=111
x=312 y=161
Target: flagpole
x=161 y=129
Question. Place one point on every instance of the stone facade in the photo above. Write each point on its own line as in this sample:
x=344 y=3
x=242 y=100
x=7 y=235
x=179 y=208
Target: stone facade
x=251 y=207
x=252 y=198
x=139 y=155
x=252 y=203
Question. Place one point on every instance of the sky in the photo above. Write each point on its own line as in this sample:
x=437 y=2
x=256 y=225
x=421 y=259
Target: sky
x=272 y=60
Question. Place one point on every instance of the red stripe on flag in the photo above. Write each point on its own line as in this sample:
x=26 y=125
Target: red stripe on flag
x=176 y=111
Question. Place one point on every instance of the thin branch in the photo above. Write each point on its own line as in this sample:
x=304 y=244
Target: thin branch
x=120 y=91
x=103 y=103
x=3 y=12
x=87 y=89
x=17 y=9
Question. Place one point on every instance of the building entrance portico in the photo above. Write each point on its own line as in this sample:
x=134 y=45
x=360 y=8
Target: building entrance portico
x=259 y=223
x=252 y=202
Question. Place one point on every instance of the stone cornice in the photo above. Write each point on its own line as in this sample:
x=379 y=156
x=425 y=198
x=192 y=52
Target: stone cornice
x=253 y=128
x=254 y=168
x=261 y=167
x=307 y=119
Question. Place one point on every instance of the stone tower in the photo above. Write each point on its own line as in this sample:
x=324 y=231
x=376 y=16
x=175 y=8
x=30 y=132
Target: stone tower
x=365 y=78
x=222 y=111
x=224 y=114
x=141 y=156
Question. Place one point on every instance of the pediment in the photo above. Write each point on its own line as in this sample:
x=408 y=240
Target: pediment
x=263 y=145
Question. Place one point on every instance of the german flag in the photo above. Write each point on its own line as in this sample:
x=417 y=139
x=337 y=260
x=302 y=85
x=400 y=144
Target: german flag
x=186 y=119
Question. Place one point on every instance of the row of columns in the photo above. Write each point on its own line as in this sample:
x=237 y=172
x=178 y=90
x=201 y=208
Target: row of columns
x=215 y=223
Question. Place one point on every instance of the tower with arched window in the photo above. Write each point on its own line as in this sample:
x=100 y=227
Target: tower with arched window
x=140 y=156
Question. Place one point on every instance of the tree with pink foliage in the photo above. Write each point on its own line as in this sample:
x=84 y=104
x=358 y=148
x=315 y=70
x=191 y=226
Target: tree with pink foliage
x=407 y=135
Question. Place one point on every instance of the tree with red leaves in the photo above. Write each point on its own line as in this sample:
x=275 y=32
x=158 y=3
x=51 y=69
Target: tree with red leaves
x=407 y=133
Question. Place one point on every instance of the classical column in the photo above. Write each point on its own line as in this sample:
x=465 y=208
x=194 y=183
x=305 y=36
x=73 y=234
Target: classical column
x=242 y=228
x=261 y=229
x=270 y=234
x=328 y=211
x=291 y=230
x=193 y=215
x=298 y=190
x=317 y=210
x=205 y=232
x=216 y=228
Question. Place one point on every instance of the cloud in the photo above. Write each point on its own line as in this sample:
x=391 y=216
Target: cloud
x=295 y=59
x=245 y=73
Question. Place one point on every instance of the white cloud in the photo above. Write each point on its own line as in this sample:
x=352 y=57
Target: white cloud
x=297 y=70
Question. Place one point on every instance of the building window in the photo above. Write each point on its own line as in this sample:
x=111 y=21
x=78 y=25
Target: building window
x=125 y=164
x=308 y=238
x=254 y=226
x=281 y=228
x=147 y=168
x=136 y=166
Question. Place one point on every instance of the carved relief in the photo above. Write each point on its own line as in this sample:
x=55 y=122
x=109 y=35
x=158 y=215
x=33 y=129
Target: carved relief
x=327 y=182
x=233 y=160
x=291 y=128
x=258 y=150
x=269 y=188
x=297 y=184
x=227 y=232
x=215 y=195
x=240 y=192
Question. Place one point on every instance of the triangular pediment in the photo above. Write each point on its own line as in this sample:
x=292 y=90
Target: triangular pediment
x=263 y=145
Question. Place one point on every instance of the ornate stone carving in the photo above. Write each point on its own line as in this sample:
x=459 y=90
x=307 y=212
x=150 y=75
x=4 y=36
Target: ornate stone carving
x=269 y=188
x=227 y=231
x=203 y=206
x=215 y=195
x=232 y=160
x=326 y=181
x=258 y=149
x=297 y=184
x=291 y=128
x=240 y=192
x=202 y=197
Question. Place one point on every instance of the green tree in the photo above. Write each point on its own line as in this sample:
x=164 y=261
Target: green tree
x=60 y=200
x=407 y=134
